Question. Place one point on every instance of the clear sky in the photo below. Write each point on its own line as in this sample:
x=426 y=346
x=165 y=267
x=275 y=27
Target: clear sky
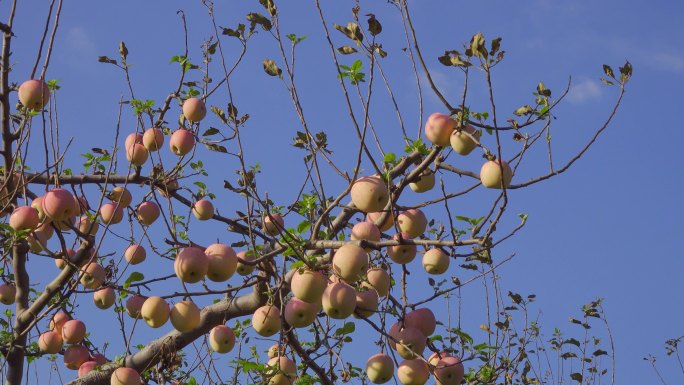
x=610 y=227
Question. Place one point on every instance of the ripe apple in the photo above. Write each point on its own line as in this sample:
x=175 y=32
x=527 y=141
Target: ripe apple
x=350 y=262
x=411 y=342
x=86 y=368
x=203 y=209
x=276 y=351
x=380 y=368
x=147 y=212
x=182 y=141
x=370 y=194
x=191 y=265
x=413 y=372
x=34 y=94
x=75 y=356
x=244 y=269
x=422 y=319
x=98 y=358
x=153 y=139
x=402 y=254
x=121 y=195
x=93 y=276
x=58 y=205
x=111 y=213
x=125 y=376
x=465 y=140
x=375 y=217
x=449 y=371
x=7 y=293
x=425 y=182
x=57 y=322
x=266 y=321
x=222 y=262
x=185 y=316
x=40 y=237
x=366 y=303
x=137 y=154
x=300 y=314
x=438 y=129
x=308 y=285
x=135 y=254
x=132 y=139
x=155 y=311
x=37 y=204
x=285 y=371
x=73 y=331
x=222 y=339
x=491 y=177
x=104 y=298
x=339 y=300
x=87 y=226
x=273 y=224
x=378 y=279
x=412 y=222
x=194 y=109
x=50 y=343
x=436 y=261
x=365 y=231
x=134 y=304
x=24 y=218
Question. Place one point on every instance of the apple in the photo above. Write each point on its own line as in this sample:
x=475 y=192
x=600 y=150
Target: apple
x=465 y=140
x=412 y=222
x=98 y=358
x=137 y=154
x=285 y=370
x=438 y=129
x=86 y=368
x=135 y=254
x=75 y=356
x=273 y=224
x=61 y=262
x=24 y=218
x=411 y=342
x=366 y=303
x=37 y=204
x=275 y=351
x=423 y=319
x=81 y=205
x=242 y=268
x=50 y=343
x=93 y=276
x=191 y=265
x=308 y=285
x=378 y=279
x=185 y=316
x=425 y=181
x=87 y=226
x=182 y=141
x=73 y=331
x=125 y=376
x=104 y=298
x=134 y=304
x=222 y=339
x=339 y=300
x=111 y=213
x=57 y=322
x=449 y=371
x=58 y=205
x=65 y=225
x=380 y=368
x=7 y=293
x=367 y=231
x=374 y=217
x=147 y=212
x=153 y=139
x=266 y=320
x=34 y=94
x=490 y=174
x=300 y=314
x=38 y=240
x=121 y=195
x=370 y=194
x=194 y=109
x=131 y=139
x=436 y=261
x=155 y=311
x=402 y=254
x=413 y=372
x=203 y=209
x=222 y=262
x=350 y=262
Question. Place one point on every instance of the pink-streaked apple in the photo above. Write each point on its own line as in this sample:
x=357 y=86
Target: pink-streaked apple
x=339 y=300
x=374 y=217
x=185 y=316
x=266 y=320
x=464 y=140
x=273 y=224
x=300 y=314
x=350 y=262
x=57 y=322
x=366 y=303
x=449 y=370
x=194 y=109
x=135 y=254
x=111 y=213
x=285 y=371
x=378 y=279
x=155 y=311
x=243 y=268
x=380 y=368
x=58 y=205
x=98 y=358
x=423 y=319
x=93 y=276
x=367 y=231
x=88 y=226
x=413 y=372
x=125 y=376
x=37 y=204
x=308 y=285
x=131 y=139
x=50 y=343
x=147 y=212
x=203 y=209
x=412 y=222
x=75 y=356
x=86 y=368
x=73 y=331
x=137 y=154
x=34 y=94
x=153 y=139
x=121 y=195
x=411 y=342
x=425 y=182
x=104 y=298
x=438 y=129
x=491 y=176
x=38 y=240
x=191 y=265
x=222 y=262
x=7 y=293
x=182 y=141
x=24 y=218
x=370 y=194
x=436 y=261
x=221 y=339
x=402 y=254
x=134 y=304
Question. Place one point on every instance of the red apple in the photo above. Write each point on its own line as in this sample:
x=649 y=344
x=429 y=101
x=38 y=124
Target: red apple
x=273 y=224
x=86 y=368
x=266 y=321
x=34 y=94
x=380 y=368
x=104 y=298
x=402 y=254
x=203 y=209
x=125 y=376
x=153 y=139
x=135 y=254
x=182 y=141
x=111 y=213
x=134 y=304
x=75 y=356
x=412 y=222
x=147 y=212
x=73 y=332
x=423 y=319
x=350 y=262
x=191 y=265
x=339 y=300
x=370 y=194
x=50 y=343
x=121 y=195
x=375 y=217
x=300 y=314
x=436 y=261
x=194 y=109
x=365 y=231
x=438 y=129
x=222 y=262
x=57 y=322
x=413 y=372
x=222 y=339
x=137 y=154
x=308 y=285
x=58 y=205
x=24 y=218
x=378 y=279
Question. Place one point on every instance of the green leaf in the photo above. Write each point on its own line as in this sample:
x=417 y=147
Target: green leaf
x=390 y=157
x=348 y=328
x=577 y=377
x=134 y=277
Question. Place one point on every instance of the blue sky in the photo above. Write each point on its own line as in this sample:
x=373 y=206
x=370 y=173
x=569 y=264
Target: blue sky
x=610 y=227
